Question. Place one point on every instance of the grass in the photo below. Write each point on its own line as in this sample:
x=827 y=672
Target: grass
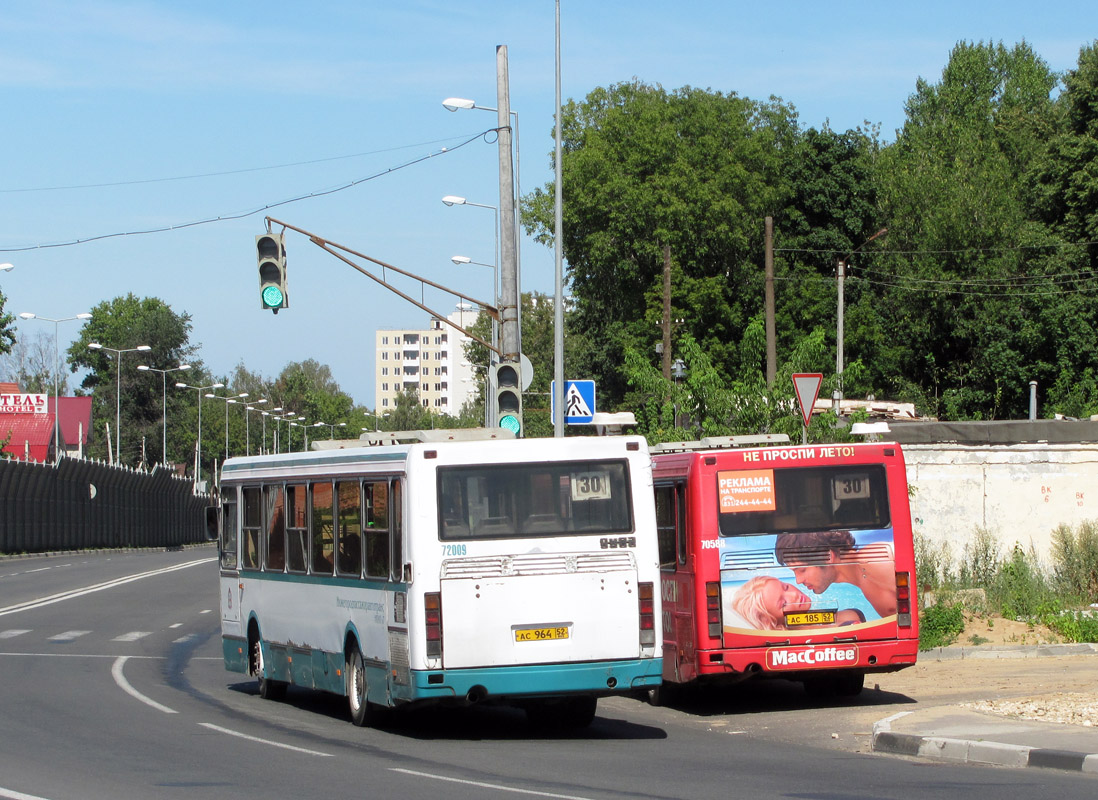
x=1014 y=585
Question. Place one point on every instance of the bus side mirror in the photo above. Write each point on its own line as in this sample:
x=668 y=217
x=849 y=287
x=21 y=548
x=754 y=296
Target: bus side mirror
x=213 y=523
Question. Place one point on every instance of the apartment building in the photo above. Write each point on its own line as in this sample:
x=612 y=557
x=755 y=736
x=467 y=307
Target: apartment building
x=430 y=360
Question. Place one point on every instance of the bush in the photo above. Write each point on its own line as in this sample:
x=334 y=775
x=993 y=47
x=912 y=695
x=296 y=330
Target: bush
x=1075 y=554
x=1073 y=626
x=940 y=625
x=1019 y=588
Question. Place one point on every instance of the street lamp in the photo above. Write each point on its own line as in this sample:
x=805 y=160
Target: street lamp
x=164 y=391
x=331 y=425
x=200 y=389
x=56 y=367
x=247 y=424
x=455 y=200
x=227 y=399
x=7 y=267
x=461 y=103
x=141 y=348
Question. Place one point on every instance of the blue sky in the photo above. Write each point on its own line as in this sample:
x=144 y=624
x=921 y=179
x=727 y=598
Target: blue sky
x=120 y=117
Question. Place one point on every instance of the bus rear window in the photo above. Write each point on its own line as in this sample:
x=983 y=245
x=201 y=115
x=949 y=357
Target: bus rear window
x=802 y=499
x=501 y=501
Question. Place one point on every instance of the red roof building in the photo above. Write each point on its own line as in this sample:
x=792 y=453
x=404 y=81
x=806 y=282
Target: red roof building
x=27 y=424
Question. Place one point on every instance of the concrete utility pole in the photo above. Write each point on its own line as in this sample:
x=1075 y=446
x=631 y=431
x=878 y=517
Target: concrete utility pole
x=510 y=333
x=771 y=344
x=558 y=272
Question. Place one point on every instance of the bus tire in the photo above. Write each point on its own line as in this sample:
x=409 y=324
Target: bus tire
x=356 y=688
x=268 y=689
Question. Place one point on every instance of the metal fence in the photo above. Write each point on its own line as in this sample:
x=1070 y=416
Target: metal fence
x=78 y=504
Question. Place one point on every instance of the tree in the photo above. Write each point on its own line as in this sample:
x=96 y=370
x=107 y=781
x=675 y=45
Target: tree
x=7 y=332
x=31 y=364
x=643 y=168
x=123 y=324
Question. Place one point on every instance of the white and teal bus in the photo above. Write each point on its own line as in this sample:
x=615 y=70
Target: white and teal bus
x=518 y=571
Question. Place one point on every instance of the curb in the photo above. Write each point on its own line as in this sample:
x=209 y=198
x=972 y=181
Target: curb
x=1008 y=651
x=971 y=751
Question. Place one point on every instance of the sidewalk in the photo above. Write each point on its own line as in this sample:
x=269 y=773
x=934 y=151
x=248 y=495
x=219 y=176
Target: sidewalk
x=954 y=733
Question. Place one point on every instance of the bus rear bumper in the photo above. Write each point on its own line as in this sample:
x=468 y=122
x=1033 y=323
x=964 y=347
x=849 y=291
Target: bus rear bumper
x=537 y=680
x=777 y=661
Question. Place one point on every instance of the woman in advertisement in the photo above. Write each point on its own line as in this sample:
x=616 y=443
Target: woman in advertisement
x=765 y=600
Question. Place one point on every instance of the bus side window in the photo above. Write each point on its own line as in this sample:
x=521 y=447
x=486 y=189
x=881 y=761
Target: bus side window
x=665 y=524
x=349 y=549
x=376 y=520
x=228 y=530
x=253 y=524
x=276 y=529
x=297 y=534
x=320 y=497
x=680 y=519
x=396 y=521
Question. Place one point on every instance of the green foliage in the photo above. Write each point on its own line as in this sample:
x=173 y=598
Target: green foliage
x=980 y=560
x=1075 y=553
x=1077 y=626
x=7 y=330
x=933 y=564
x=117 y=386
x=940 y=625
x=1019 y=588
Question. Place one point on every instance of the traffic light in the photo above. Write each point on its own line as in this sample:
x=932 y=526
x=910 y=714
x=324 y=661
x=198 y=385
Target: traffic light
x=270 y=250
x=508 y=389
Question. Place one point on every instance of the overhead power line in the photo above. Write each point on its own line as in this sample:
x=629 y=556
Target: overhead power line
x=257 y=210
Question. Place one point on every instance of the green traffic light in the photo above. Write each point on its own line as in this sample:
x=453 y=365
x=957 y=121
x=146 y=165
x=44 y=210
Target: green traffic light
x=272 y=297
x=511 y=423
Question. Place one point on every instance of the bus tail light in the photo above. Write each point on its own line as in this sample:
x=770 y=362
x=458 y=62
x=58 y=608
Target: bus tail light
x=713 y=608
x=432 y=604
x=903 y=599
x=646 y=591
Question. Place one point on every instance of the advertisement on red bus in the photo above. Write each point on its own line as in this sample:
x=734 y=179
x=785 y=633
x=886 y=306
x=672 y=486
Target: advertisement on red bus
x=790 y=561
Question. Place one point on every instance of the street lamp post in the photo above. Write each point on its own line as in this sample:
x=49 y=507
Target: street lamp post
x=248 y=424
x=141 y=348
x=201 y=389
x=57 y=443
x=164 y=391
x=460 y=103
x=331 y=426
x=227 y=399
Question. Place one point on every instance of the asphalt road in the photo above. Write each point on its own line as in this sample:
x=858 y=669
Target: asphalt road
x=111 y=685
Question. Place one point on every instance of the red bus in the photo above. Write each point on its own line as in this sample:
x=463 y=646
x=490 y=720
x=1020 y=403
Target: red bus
x=785 y=561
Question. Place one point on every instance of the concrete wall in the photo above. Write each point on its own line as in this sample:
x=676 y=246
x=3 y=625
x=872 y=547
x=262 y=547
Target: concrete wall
x=1020 y=492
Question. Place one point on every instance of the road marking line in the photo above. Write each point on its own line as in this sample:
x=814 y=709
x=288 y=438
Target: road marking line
x=483 y=785
x=11 y=634
x=67 y=636
x=124 y=685
x=57 y=598
x=132 y=636
x=239 y=735
x=14 y=795
x=176 y=625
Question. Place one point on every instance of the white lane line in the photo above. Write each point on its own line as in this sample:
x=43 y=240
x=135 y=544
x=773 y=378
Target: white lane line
x=175 y=625
x=482 y=785
x=11 y=634
x=132 y=636
x=67 y=636
x=57 y=598
x=14 y=795
x=124 y=685
x=190 y=637
x=239 y=735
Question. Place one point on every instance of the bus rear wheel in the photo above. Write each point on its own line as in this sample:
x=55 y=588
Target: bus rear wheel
x=849 y=684
x=268 y=689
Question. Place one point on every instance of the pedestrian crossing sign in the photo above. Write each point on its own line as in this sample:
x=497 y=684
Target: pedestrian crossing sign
x=579 y=402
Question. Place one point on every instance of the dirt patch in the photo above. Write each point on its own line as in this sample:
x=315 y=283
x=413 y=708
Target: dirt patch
x=983 y=629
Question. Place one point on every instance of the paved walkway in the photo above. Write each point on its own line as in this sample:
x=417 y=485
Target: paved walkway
x=953 y=733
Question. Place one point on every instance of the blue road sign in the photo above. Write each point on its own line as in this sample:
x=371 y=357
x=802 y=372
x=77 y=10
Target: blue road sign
x=579 y=402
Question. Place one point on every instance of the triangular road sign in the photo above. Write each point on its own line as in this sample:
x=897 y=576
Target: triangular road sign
x=807 y=387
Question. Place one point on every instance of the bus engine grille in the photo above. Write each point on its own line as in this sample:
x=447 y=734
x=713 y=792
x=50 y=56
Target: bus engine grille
x=538 y=564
